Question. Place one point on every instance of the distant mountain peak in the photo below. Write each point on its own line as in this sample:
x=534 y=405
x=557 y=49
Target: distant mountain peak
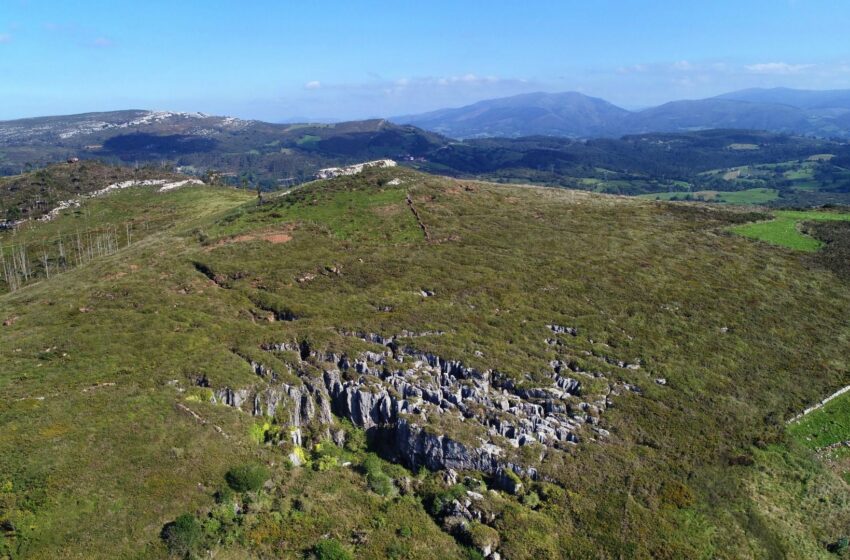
x=537 y=113
x=575 y=115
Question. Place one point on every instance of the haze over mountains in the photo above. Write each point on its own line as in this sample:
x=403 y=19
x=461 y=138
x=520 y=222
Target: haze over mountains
x=575 y=115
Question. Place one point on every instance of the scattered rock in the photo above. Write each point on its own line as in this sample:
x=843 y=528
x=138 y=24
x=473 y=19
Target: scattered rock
x=306 y=278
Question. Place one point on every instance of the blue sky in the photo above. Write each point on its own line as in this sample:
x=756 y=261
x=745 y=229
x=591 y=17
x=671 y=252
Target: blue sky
x=276 y=60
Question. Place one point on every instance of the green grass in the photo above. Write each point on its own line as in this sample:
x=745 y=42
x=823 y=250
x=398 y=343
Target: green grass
x=748 y=196
x=96 y=455
x=824 y=426
x=784 y=229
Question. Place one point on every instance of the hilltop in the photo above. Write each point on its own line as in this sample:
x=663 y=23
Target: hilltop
x=395 y=364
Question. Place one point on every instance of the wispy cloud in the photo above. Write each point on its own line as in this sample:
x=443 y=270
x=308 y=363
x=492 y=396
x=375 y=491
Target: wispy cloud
x=5 y=38
x=467 y=79
x=780 y=68
x=315 y=84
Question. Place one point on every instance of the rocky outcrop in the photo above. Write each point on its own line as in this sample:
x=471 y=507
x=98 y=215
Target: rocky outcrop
x=407 y=397
x=331 y=172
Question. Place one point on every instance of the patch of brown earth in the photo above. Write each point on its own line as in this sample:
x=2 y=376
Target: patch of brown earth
x=276 y=236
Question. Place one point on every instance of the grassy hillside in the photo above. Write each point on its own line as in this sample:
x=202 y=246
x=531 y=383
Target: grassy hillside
x=31 y=195
x=109 y=433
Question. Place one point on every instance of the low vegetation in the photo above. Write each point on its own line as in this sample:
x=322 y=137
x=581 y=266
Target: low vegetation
x=111 y=424
x=786 y=229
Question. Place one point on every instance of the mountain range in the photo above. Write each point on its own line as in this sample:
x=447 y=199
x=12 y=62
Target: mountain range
x=575 y=115
x=271 y=156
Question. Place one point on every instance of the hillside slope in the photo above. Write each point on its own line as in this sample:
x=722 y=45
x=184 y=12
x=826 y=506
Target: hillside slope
x=544 y=373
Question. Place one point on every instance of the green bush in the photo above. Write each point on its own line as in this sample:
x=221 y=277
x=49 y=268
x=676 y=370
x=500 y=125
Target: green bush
x=371 y=464
x=183 y=535
x=482 y=537
x=442 y=499
x=247 y=478
x=381 y=484
x=840 y=546
x=330 y=549
x=398 y=550
x=472 y=554
x=531 y=500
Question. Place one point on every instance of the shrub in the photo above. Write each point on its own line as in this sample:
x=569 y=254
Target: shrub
x=398 y=550
x=355 y=440
x=326 y=463
x=482 y=537
x=840 y=546
x=381 y=484
x=371 y=464
x=247 y=478
x=258 y=432
x=472 y=554
x=442 y=499
x=224 y=495
x=551 y=493
x=183 y=535
x=531 y=500
x=330 y=549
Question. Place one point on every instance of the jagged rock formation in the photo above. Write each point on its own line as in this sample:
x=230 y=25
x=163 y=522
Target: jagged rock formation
x=409 y=396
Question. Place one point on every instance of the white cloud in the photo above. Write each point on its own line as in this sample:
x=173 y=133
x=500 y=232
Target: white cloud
x=315 y=84
x=5 y=38
x=470 y=79
x=682 y=65
x=781 y=68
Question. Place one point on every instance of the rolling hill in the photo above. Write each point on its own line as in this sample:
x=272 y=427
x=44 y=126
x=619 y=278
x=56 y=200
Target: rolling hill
x=266 y=153
x=275 y=156
x=400 y=365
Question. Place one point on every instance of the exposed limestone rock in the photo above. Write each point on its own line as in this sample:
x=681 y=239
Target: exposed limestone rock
x=559 y=329
x=330 y=172
x=404 y=395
